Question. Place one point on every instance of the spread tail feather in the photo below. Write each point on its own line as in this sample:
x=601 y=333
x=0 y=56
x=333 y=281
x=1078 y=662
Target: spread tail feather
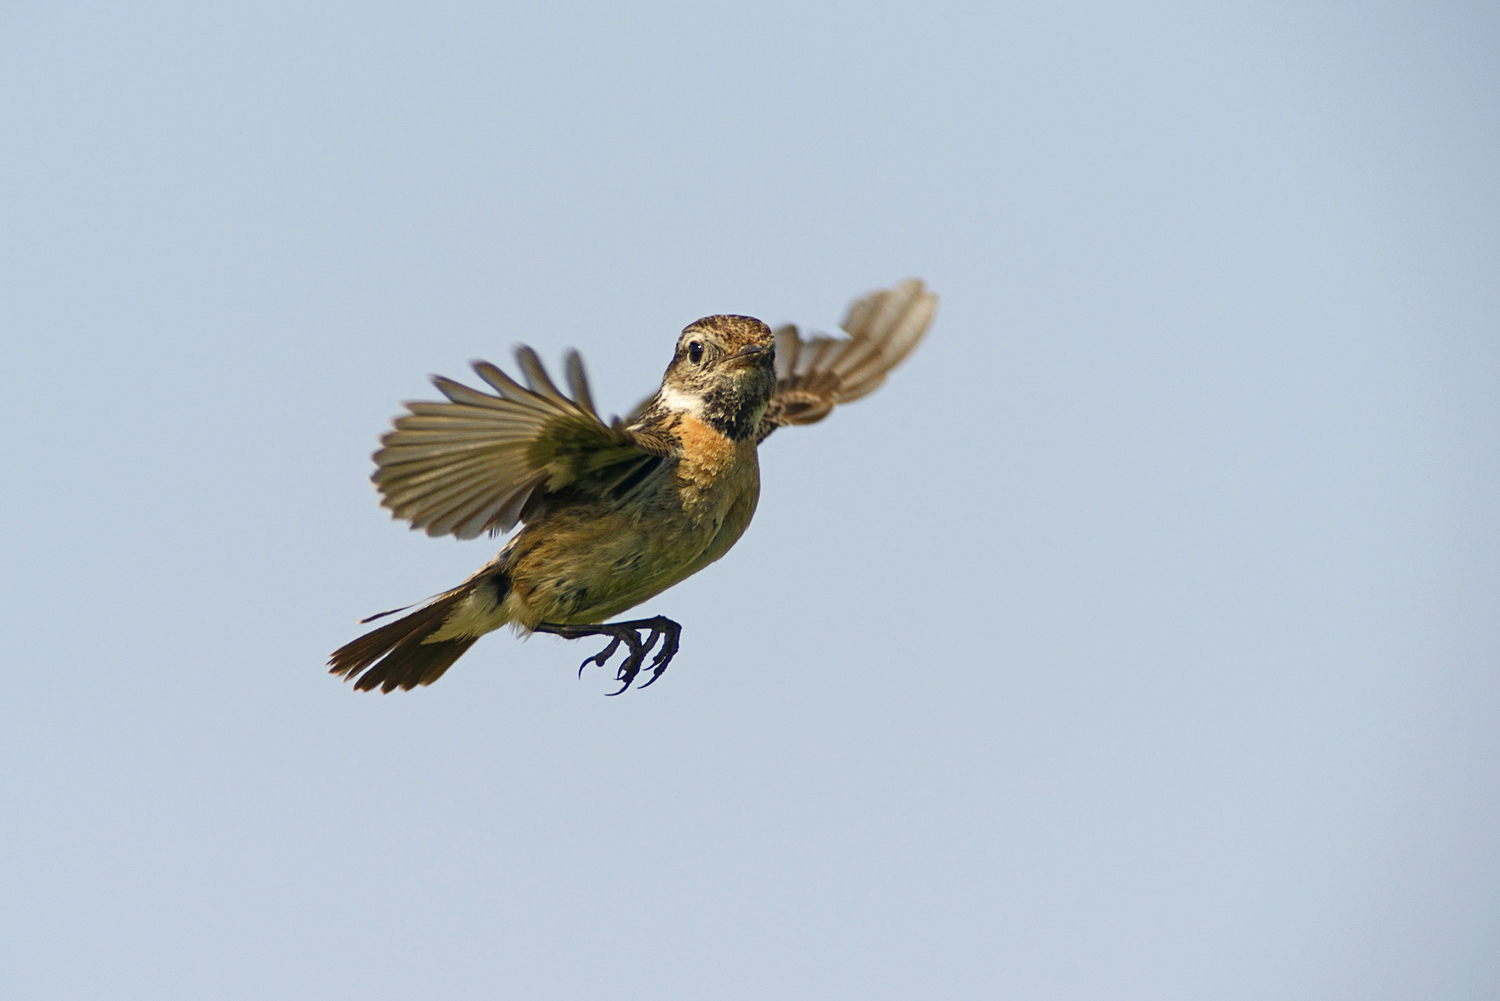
x=395 y=656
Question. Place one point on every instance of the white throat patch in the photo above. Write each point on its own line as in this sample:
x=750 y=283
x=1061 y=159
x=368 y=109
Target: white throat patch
x=677 y=401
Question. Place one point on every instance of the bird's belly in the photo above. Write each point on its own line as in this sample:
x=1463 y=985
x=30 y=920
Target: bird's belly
x=584 y=565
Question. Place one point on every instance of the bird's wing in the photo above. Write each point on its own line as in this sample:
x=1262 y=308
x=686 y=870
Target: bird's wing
x=815 y=375
x=473 y=463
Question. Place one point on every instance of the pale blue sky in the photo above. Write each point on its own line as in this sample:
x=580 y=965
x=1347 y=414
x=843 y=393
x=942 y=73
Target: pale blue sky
x=1138 y=640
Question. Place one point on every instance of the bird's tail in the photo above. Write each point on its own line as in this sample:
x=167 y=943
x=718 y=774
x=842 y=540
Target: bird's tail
x=407 y=653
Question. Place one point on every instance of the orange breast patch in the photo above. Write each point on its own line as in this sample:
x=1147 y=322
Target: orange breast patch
x=707 y=455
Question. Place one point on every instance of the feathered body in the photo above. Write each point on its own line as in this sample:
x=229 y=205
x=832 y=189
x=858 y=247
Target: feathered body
x=612 y=514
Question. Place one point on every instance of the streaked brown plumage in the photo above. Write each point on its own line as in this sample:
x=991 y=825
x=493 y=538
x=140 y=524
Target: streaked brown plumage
x=612 y=514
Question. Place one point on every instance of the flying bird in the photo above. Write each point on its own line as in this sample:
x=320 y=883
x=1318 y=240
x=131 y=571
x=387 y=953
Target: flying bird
x=611 y=513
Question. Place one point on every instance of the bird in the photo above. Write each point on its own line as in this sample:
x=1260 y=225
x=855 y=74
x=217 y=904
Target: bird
x=611 y=513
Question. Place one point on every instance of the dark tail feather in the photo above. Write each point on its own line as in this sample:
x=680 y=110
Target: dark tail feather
x=404 y=661
x=380 y=615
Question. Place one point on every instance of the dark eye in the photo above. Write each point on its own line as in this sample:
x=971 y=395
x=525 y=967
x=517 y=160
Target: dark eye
x=695 y=352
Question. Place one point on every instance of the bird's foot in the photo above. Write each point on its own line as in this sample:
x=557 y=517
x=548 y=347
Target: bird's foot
x=661 y=628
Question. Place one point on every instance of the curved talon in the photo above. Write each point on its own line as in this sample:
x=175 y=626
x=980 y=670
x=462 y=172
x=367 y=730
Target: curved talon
x=661 y=629
x=599 y=659
x=631 y=666
x=664 y=655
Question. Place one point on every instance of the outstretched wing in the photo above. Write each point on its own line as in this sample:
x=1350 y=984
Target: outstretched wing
x=815 y=375
x=473 y=463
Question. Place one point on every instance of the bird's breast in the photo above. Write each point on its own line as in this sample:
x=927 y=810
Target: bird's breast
x=711 y=467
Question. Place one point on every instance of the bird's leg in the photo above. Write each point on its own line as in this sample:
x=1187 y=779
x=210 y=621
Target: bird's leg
x=662 y=628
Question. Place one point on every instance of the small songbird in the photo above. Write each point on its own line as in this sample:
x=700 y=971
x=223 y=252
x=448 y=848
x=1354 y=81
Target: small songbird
x=615 y=513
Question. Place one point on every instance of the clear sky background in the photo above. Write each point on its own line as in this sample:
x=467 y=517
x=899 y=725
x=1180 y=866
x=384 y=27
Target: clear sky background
x=1140 y=639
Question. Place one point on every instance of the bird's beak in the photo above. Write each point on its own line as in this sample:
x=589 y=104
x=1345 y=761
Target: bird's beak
x=748 y=355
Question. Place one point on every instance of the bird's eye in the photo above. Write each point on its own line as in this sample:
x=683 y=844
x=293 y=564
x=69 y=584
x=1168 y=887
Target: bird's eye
x=695 y=351
x=771 y=356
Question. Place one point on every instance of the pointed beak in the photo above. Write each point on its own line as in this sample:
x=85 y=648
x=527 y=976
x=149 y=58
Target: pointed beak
x=748 y=355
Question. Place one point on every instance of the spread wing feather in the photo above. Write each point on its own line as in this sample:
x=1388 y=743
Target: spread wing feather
x=815 y=375
x=477 y=461
x=473 y=463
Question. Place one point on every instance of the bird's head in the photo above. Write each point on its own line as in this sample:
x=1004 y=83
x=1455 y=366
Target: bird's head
x=723 y=373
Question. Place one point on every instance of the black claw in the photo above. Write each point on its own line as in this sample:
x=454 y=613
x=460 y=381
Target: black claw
x=631 y=666
x=629 y=633
x=665 y=654
x=659 y=664
x=599 y=658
